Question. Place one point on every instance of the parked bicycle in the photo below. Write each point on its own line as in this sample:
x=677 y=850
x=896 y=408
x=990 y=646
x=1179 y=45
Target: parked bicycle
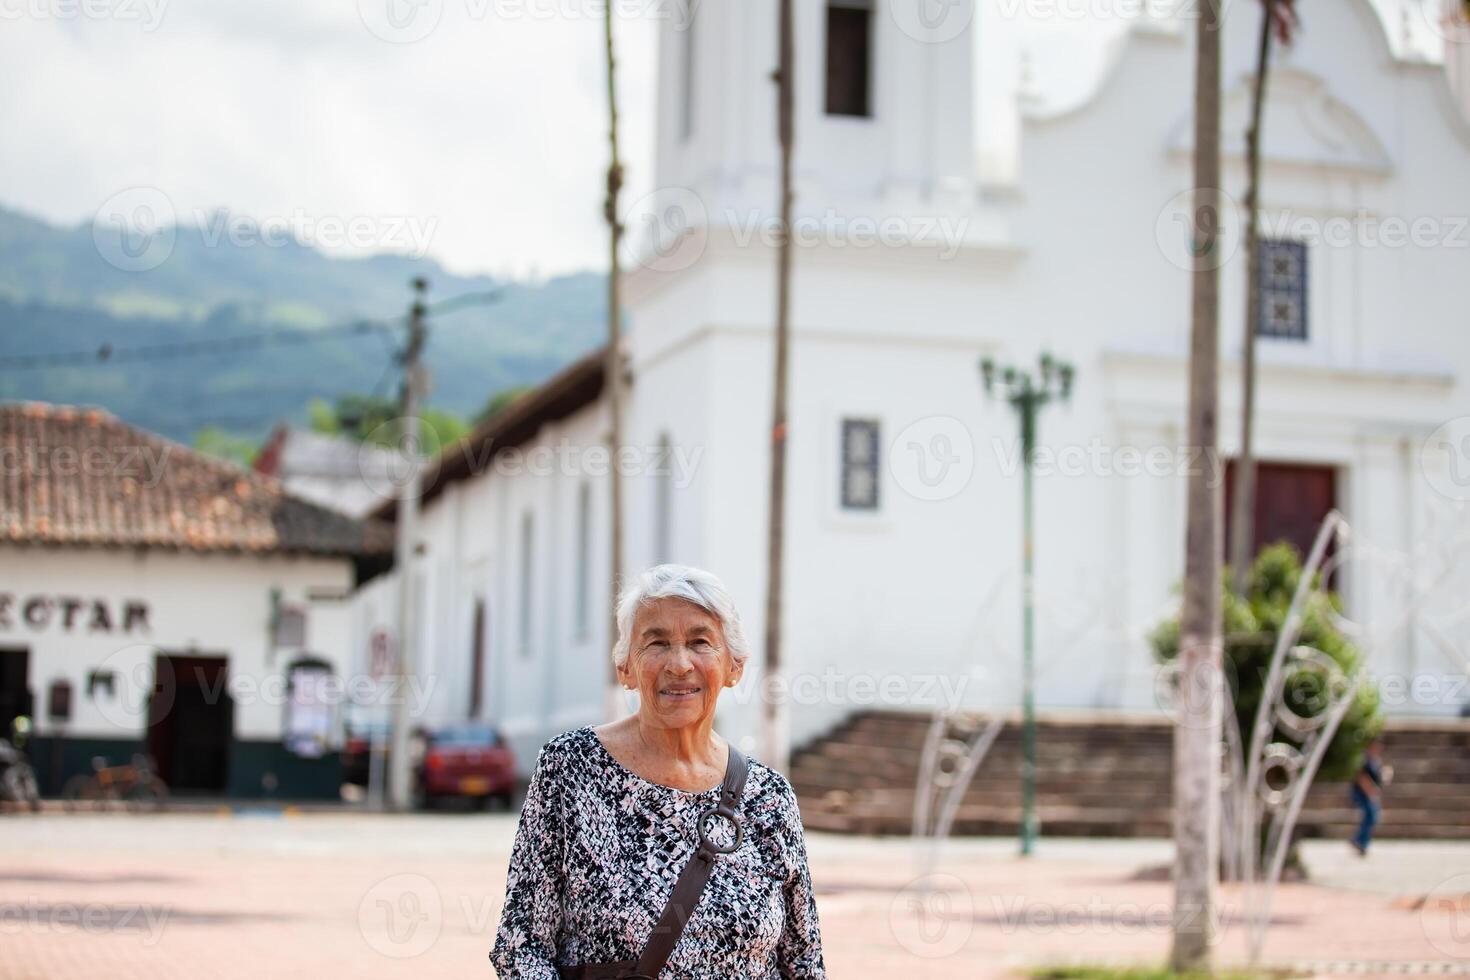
x=135 y=785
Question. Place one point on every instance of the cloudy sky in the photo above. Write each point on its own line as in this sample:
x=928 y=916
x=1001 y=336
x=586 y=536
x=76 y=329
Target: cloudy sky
x=489 y=128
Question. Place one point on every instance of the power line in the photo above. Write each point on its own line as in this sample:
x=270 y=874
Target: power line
x=107 y=354
x=455 y=303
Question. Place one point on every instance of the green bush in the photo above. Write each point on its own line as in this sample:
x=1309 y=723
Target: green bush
x=1250 y=627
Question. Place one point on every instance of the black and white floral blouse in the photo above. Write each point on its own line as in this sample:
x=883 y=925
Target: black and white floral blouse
x=596 y=854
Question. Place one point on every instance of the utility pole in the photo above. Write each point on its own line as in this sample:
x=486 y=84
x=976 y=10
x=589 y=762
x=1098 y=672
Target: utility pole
x=776 y=744
x=400 y=771
x=1198 y=722
x=614 y=369
x=1278 y=17
x=1027 y=395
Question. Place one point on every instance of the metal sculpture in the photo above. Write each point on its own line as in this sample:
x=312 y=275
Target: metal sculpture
x=1279 y=772
x=954 y=747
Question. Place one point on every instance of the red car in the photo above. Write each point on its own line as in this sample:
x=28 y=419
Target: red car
x=466 y=760
x=357 y=751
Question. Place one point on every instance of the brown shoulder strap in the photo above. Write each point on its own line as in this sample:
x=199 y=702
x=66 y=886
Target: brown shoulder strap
x=690 y=885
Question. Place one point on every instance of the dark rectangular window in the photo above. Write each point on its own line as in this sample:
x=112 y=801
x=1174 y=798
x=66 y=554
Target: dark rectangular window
x=859 y=464
x=477 y=659
x=849 y=58
x=1283 y=291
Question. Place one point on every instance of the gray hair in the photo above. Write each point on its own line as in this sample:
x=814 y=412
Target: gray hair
x=694 y=585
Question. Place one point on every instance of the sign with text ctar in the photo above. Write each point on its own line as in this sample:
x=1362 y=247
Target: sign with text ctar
x=72 y=614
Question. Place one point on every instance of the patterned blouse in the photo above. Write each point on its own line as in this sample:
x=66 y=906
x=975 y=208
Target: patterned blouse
x=596 y=854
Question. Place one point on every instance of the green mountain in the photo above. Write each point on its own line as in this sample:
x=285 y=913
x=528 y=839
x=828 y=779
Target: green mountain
x=58 y=293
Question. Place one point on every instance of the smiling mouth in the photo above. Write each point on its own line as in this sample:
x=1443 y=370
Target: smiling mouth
x=680 y=692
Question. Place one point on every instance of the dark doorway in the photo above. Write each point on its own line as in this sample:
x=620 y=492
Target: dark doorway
x=191 y=721
x=15 y=690
x=1291 y=501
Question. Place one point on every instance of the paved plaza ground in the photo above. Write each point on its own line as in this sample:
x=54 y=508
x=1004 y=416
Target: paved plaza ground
x=326 y=895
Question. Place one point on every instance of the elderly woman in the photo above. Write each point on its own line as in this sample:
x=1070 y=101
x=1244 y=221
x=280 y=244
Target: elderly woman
x=651 y=839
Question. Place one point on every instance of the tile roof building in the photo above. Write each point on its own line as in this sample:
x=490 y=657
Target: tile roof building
x=336 y=472
x=81 y=477
x=157 y=601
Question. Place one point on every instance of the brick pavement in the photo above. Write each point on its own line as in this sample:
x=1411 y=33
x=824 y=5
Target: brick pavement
x=313 y=896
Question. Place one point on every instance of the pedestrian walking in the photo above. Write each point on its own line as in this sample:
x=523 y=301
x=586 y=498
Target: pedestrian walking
x=1367 y=794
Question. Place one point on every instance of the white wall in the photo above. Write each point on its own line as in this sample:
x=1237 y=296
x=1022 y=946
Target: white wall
x=212 y=605
x=917 y=605
x=471 y=548
x=1079 y=261
x=1354 y=141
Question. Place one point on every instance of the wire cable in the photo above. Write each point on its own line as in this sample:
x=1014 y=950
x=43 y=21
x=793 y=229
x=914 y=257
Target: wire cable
x=107 y=354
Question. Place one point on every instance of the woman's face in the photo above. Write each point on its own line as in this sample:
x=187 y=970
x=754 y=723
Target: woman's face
x=677 y=662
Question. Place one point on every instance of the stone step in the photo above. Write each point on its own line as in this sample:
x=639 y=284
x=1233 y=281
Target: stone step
x=815 y=783
x=1101 y=777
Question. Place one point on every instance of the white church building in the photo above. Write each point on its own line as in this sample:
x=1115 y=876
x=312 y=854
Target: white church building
x=912 y=264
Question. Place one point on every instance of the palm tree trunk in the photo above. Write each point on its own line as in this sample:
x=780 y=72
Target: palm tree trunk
x=1244 y=503
x=776 y=745
x=1197 y=727
x=614 y=369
